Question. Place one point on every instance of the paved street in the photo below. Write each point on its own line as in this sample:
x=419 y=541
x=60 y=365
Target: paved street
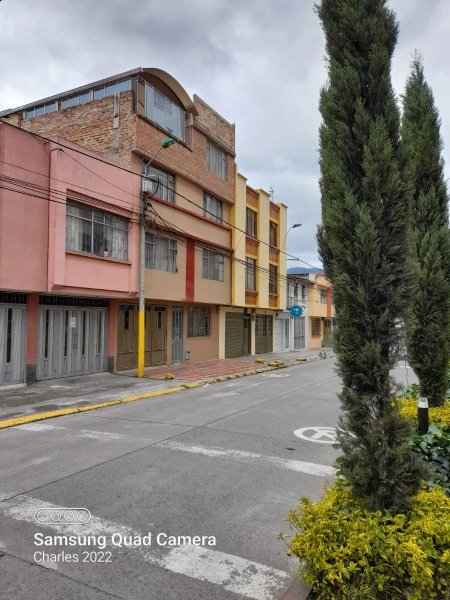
x=220 y=461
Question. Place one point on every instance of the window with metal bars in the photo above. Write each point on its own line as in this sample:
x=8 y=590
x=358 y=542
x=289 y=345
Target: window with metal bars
x=199 y=321
x=96 y=232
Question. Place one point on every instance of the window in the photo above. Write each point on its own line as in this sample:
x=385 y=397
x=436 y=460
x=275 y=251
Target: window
x=213 y=265
x=160 y=183
x=323 y=296
x=273 y=234
x=160 y=253
x=216 y=160
x=164 y=112
x=212 y=208
x=43 y=109
x=199 y=321
x=82 y=98
x=303 y=292
x=250 y=274
x=273 y=279
x=96 y=232
x=251 y=223
x=315 y=327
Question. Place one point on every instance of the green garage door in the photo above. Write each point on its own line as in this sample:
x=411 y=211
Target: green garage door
x=237 y=335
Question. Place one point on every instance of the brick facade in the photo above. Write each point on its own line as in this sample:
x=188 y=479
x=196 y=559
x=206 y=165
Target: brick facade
x=124 y=137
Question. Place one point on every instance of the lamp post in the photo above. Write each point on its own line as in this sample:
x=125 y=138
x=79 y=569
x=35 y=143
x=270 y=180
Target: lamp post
x=291 y=227
x=165 y=143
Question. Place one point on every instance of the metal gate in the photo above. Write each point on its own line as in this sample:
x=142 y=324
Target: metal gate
x=177 y=335
x=237 y=335
x=264 y=334
x=12 y=344
x=72 y=341
x=299 y=333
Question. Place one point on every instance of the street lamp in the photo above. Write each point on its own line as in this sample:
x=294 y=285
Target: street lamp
x=291 y=227
x=165 y=143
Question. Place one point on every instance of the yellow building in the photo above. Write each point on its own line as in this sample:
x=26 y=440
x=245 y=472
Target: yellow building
x=255 y=324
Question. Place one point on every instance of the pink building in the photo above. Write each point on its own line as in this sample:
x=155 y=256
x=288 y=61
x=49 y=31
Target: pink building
x=68 y=256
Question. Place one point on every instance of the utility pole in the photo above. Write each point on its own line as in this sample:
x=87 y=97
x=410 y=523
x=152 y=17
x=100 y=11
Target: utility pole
x=165 y=143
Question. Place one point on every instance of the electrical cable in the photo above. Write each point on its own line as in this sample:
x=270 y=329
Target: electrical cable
x=132 y=172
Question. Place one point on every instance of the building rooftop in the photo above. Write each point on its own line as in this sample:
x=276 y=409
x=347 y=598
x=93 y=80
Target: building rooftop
x=170 y=81
x=304 y=271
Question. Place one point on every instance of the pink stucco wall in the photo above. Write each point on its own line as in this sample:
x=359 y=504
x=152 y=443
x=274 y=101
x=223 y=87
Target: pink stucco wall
x=33 y=253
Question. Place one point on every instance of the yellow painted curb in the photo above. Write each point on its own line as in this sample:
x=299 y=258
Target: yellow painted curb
x=62 y=412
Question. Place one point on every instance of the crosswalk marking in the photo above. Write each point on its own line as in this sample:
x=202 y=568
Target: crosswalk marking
x=234 y=573
x=284 y=463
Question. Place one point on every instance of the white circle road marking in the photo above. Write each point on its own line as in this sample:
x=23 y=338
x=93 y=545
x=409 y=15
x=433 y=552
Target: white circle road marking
x=275 y=375
x=319 y=435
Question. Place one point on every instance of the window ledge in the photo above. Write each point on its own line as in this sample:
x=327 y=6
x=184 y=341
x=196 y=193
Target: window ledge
x=107 y=258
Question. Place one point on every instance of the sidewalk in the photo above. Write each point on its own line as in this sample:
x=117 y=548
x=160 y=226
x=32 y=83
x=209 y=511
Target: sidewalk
x=86 y=390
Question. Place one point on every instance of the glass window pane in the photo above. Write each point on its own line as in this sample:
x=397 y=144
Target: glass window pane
x=73 y=101
x=111 y=89
x=125 y=85
x=86 y=236
x=99 y=93
x=29 y=113
x=50 y=107
x=64 y=104
x=85 y=97
x=99 y=239
x=39 y=110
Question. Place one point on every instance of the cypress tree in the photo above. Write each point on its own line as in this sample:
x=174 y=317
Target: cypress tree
x=428 y=320
x=362 y=243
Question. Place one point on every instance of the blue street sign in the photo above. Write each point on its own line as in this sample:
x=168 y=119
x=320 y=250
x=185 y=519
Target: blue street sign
x=296 y=310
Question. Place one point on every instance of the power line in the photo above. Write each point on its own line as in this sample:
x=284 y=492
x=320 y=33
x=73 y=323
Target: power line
x=137 y=175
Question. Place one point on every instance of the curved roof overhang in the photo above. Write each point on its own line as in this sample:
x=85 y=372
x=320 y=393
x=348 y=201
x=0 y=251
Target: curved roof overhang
x=176 y=88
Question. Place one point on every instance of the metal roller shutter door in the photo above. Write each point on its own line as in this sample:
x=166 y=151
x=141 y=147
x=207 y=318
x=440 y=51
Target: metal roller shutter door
x=237 y=340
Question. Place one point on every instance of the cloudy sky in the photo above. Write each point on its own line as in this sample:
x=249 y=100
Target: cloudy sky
x=259 y=63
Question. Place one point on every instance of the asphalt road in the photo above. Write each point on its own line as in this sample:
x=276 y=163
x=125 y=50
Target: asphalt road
x=220 y=461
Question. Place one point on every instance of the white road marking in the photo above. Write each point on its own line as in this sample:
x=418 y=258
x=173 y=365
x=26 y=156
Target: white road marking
x=284 y=463
x=235 y=574
x=275 y=375
x=319 y=435
x=88 y=433
x=224 y=394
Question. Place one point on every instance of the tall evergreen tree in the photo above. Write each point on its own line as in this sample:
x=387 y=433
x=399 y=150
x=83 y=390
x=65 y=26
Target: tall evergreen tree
x=428 y=321
x=362 y=243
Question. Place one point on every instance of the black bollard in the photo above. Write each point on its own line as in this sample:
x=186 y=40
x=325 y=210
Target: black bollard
x=422 y=415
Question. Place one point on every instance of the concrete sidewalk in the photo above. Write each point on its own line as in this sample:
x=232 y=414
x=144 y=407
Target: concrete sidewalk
x=87 y=390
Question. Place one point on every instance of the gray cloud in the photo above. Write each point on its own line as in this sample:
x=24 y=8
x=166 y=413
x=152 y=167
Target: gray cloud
x=259 y=63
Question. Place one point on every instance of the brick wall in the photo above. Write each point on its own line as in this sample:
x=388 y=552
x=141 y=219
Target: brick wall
x=91 y=125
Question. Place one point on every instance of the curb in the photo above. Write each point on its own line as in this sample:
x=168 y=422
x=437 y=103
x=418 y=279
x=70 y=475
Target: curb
x=62 y=412
x=298 y=591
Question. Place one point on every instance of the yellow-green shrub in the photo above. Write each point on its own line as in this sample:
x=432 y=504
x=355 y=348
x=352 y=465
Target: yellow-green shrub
x=438 y=414
x=350 y=552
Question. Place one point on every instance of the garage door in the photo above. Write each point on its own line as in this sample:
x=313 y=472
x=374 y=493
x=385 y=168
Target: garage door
x=72 y=339
x=264 y=334
x=237 y=335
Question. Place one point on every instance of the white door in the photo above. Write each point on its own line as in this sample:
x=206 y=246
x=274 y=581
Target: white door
x=12 y=344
